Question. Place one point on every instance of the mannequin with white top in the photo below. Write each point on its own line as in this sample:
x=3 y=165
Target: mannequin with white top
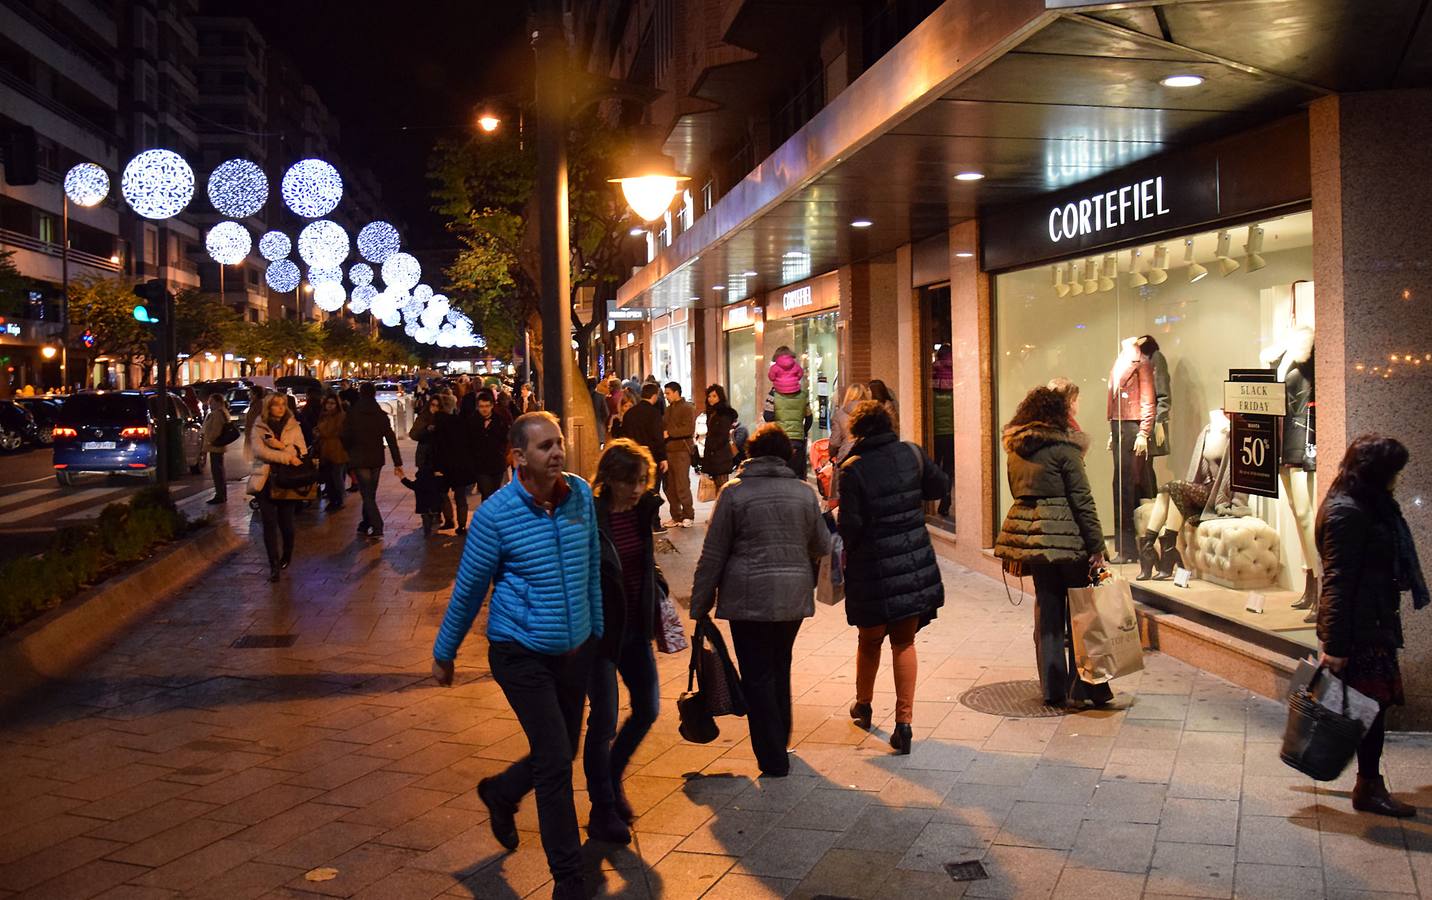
x=1206 y=492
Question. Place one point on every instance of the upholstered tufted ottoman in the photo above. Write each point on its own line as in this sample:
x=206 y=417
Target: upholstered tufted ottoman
x=1240 y=553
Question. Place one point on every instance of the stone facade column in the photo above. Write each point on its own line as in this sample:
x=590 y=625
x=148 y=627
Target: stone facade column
x=1372 y=202
x=975 y=429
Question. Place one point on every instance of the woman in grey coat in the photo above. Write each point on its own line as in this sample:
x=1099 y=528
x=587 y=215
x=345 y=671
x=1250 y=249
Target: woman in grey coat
x=757 y=569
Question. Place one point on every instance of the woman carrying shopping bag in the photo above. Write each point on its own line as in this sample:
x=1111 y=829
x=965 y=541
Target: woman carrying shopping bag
x=1052 y=531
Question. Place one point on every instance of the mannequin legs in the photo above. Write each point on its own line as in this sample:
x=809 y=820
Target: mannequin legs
x=1131 y=484
x=1298 y=491
x=1158 y=542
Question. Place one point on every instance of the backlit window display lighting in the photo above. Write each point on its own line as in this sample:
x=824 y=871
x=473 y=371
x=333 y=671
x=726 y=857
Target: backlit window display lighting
x=282 y=275
x=87 y=184
x=228 y=243
x=238 y=188
x=323 y=244
x=312 y=188
x=325 y=275
x=361 y=274
x=402 y=271
x=329 y=296
x=157 y=184
x=275 y=245
x=377 y=241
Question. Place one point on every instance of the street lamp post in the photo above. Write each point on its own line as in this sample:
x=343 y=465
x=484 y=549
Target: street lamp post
x=553 y=99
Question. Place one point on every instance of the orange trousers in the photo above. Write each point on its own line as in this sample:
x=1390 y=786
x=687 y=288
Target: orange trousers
x=902 y=652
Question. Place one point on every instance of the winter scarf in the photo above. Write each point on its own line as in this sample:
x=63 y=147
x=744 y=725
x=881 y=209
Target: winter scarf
x=1407 y=574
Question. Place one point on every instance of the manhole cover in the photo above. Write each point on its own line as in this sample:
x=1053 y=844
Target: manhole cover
x=264 y=641
x=973 y=870
x=1021 y=699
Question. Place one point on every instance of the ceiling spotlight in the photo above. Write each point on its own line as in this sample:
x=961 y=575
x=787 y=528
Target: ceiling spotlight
x=861 y=223
x=964 y=254
x=1158 y=269
x=1182 y=81
x=1072 y=279
x=718 y=287
x=750 y=273
x=1254 y=247
x=1137 y=279
x=637 y=232
x=1061 y=290
x=969 y=176
x=1226 y=263
x=1195 y=271
x=1091 y=276
x=1111 y=271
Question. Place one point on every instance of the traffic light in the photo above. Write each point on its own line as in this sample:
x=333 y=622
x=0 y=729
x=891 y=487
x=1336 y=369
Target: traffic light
x=153 y=293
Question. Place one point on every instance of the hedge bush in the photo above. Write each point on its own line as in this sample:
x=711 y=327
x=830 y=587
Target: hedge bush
x=81 y=555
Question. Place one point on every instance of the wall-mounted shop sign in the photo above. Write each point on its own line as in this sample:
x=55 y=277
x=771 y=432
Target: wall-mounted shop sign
x=1254 y=401
x=12 y=328
x=1248 y=173
x=1255 y=398
x=624 y=314
x=804 y=297
x=741 y=315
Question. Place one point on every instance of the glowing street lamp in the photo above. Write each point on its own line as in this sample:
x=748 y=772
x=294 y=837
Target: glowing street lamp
x=488 y=122
x=651 y=185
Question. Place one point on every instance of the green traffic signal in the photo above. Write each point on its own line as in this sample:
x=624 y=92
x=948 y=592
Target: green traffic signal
x=141 y=314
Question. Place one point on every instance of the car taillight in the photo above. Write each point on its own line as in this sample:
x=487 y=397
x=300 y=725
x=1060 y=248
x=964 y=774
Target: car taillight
x=140 y=431
x=63 y=432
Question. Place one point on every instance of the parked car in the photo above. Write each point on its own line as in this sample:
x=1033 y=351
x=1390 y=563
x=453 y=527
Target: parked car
x=297 y=385
x=238 y=401
x=17 y=427
x=45 y=410
x=116 y=431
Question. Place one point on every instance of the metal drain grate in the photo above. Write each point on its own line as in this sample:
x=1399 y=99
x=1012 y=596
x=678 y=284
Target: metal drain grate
x=972 y=870
x=264 y=641
x=1020 y=699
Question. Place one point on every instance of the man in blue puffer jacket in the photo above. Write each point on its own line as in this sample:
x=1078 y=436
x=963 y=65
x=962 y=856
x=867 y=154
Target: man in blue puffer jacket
x=537 y=539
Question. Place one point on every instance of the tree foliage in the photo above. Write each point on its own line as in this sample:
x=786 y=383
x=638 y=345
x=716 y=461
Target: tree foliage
x=14 y=287
x=105 y=307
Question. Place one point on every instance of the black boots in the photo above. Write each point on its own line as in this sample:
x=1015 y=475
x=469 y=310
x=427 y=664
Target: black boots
x=1147 y=555
x=606 y=825
x=860 y=714
x=502 y=816
x=901 y=739
x=1168 y=556
x=1370 y=795
x=1309 y=600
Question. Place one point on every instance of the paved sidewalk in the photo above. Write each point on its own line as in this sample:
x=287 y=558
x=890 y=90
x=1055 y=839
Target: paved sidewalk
x=181 y=765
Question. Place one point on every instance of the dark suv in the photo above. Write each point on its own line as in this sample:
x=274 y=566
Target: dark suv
x=115 y=431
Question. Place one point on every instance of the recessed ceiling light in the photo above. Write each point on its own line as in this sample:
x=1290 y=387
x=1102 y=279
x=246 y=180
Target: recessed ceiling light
x=750 y=274
x=695 y=299
x=637 y=232
x=1178 y=81
x=861 y=223
x=964 y=254
x=969 y=176
x=718 y=287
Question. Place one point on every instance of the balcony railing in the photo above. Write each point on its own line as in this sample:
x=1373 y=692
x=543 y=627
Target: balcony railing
x=59 y=109
x=10 y=238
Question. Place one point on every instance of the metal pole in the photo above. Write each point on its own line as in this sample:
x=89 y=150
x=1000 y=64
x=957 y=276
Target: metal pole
x=65 y=290
x=549 y=44
x=166 y=350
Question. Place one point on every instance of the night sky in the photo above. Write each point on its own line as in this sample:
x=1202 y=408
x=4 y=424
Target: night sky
x=399 y=76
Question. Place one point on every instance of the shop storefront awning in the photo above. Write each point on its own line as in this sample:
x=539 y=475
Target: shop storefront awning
x=1033 y=95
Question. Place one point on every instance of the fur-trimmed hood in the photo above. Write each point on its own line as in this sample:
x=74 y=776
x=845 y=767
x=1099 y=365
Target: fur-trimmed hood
x=1298 y=347
x=1029 y=438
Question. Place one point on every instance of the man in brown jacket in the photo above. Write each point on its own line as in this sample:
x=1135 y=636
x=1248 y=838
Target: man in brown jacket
x=680 y=421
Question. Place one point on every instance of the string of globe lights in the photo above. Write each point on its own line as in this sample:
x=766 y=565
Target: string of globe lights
x=160 y=184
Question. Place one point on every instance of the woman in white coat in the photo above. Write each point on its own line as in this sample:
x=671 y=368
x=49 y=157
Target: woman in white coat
x=276 y=438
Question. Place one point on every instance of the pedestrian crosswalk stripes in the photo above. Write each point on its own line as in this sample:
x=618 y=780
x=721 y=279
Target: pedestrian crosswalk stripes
x=9 y=500
x=85 y=499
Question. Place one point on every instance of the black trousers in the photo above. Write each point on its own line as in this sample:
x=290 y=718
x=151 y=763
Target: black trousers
x=488 y=483
x=216 y=471
x=798 y=458
x=277 y=516
x=547 y=694
x=1053 y=649
x=1133 y=481
x=945 y=459
x=763 y=652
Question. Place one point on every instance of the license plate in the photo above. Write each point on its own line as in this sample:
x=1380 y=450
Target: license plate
x=97 y=445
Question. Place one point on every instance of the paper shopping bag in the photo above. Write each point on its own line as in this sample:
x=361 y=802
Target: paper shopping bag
x=1105 y=630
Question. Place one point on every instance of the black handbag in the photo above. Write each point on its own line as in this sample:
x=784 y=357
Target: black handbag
x=228 y=435
x=697 y=724
x=717 y=675
x=1318 y=741
x=298 y=477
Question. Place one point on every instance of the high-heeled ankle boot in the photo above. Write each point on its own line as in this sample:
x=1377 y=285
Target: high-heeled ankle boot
x=1309 y=600
x=1370 y=795
x=901 y=738
x=1169 y=558
x=1147 y=556
x=860 y=714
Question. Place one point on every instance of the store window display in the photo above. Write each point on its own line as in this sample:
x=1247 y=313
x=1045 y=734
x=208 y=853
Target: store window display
x=1159 y=341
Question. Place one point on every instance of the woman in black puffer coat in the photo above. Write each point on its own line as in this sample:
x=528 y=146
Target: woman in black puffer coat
x=1053 y=530
x=892 y=581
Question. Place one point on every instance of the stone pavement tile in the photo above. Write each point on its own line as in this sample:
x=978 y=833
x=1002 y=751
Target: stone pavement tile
x=1275 y=840
x=1191 y=870
x=313 y=755
x=1262 y=759
x=1021 y=736
x=1090 y=751
x=1091 y=884
x=848 y=873
x=735 y=886
x=1004 y=769
x=886 y=829
x=731 y=832
x=1351 y=862
x=1204 y=747
x=403 y=805
x=1199 y=821
x=149 y=822
x=46 y=833
x=1418 y=835
x=830 y=809
x=252 y=879
x=689 y=874
x=1114 y=846
x=461 y=776
x=945 y=755
x=31 y=810
x=918 y=787
x=52 y=861
x=1150 y=734
x=321 y=844
x=925 y=885
x=84 y=881
x=467 y=852
x=169 y=845
x=112 y=781
x=1140 y=764
x=339 y=772
x=198 y=868
x=677 y=814
x=358 y=868
x=399 y=746
x=265 y=803
x=1208 y=715
x=777 y=794
x=1265 y=882
x=785 y=852
x=1206 y=781
x=430 y=759
x=967 y=725
x=406 y=884
x=1150 y=705
x=869 y=768
x=944 y=842
x=236 y=786
x=1126 y=801
x=1018 y=872
x=132 y=892
x=1050 y=826
x=1059 y=784
x=1291 y=796
x=368 y=788
x=433 y=828
x=638 y=884
x=978 y=805
x=290 y=824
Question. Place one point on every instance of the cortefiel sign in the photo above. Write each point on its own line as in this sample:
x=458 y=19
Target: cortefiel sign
x=799 y=298
x=1113 y=208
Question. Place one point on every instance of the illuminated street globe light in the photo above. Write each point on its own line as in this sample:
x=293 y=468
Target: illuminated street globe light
x=361 y=300
x=360 y=274
x=238 y=188
x=157 y=184
x=329 y=296
x=87 y=184
x=323 y=244
x=325 y=275
x=228 y=243
x=377 y=241
x=650 y=187
x=423 y=293
x=283 y=275
x=312 y=188
x=402 y=271
x=275 y=245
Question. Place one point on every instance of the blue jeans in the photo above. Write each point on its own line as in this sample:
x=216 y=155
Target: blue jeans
x=603 y=758
x=333 y=483
x=368 y=490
